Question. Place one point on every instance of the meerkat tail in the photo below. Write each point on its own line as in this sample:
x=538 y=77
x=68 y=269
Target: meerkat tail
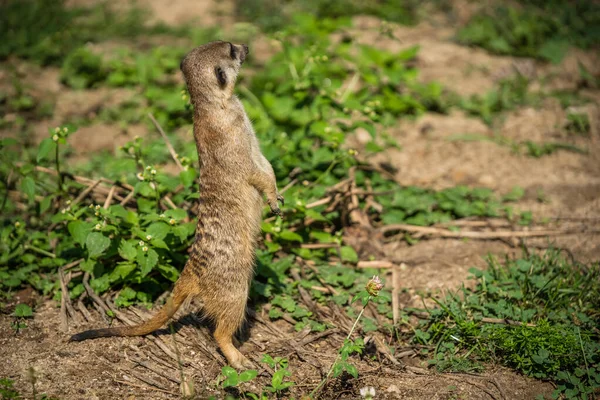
x=181 y=291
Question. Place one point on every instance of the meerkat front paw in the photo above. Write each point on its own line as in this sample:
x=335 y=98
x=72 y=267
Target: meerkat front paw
x=274 y=204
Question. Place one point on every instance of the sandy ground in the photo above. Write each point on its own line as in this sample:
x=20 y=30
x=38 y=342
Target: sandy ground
x=569 y=183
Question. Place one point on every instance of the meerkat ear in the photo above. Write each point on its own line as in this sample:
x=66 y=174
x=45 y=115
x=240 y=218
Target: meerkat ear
x=221 y=76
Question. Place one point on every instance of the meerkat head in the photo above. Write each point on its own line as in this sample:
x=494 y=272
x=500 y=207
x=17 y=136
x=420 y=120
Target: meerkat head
x=211 y=70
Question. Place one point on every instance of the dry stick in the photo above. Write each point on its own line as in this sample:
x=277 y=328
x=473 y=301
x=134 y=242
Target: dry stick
x=289 y=185
x=143 y=387
x=167 y=141
x=73 y=264
x=97 y=300
x=150 y=382
x=127 y=198
x=318 y=203
x=375 y=264
x=64 y=323
x=170 y=202
x=84 y=311
x=87 y=191
x=315 y=246
x=154 y=369
x=318 y=336
x=395 y=295
x=65 y=302
x=108 y=200
x=505 y=321
x=471 y=234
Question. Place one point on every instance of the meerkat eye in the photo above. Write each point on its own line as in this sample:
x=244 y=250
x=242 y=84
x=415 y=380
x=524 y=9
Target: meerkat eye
x=232 y=51
x=221 y=76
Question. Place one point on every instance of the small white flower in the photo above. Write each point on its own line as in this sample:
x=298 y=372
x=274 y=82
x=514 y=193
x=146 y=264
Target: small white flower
x=172 y=221
x=305 y=183
x=142 y=243
x=56 y=130
x=17 y=224
x=63 y=211
x=140 y=176
x=368 y=392
x=148 y=237
x=148 y=168
x=97 y=214
x=91 y=206
x=277 y=229
x=98 y=227
x=144 y=248
x=66 y=130
x=328 y=129
x=153 y=172
x=97 y=206
x=68 y=202
x=55 y=138
x=161 y=216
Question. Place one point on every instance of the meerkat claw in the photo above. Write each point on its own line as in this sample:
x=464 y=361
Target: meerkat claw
x=281 y=199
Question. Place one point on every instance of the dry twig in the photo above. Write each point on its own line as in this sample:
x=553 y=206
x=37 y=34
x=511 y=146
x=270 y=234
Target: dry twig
x=167 y=141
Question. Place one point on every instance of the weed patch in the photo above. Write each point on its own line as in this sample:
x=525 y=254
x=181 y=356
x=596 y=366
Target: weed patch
x=543 y=30
x=537 y=314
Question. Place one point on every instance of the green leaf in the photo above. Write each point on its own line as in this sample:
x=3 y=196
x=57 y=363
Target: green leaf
x=247 y=376
x=351 y=369
x=348 y=254
x=231 y=376
x=80 y=230
x=128 y=249
x=96 y=244
x=46 y=146
x=147 y=260
x=28 y=187
x=188 y=177
x=169 y=272
x=228 y=371
x=158 y=230
x=23 y=311
x=290 y=236
x=554 y=50
x=45 y=204
x=121 y=271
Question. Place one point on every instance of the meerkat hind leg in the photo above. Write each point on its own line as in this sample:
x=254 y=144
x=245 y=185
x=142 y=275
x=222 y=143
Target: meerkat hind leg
x=228 y=319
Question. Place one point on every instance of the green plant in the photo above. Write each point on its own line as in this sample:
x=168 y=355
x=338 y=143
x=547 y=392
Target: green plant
x=578 y=123
x=230 y=377
x=538 y=29
x=536 y=314
x=7 y=389
x=45 y=31
x=349 y=347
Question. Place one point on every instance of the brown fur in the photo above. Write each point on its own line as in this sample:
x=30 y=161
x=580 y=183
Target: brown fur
x=233 y=177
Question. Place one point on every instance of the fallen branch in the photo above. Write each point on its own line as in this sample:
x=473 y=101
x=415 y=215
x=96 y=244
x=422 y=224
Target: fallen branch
x=167 y=141
x=445 y=233
x=87 y=191
x=375 y=264
x=506 y=322
x=108 y=200
x=318 y=203
x=316 y=246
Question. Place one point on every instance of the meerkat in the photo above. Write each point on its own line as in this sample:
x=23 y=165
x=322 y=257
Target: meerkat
x=234 y=176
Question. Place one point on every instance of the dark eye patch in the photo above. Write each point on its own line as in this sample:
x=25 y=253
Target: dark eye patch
x=232 y=51
x=221 y=76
